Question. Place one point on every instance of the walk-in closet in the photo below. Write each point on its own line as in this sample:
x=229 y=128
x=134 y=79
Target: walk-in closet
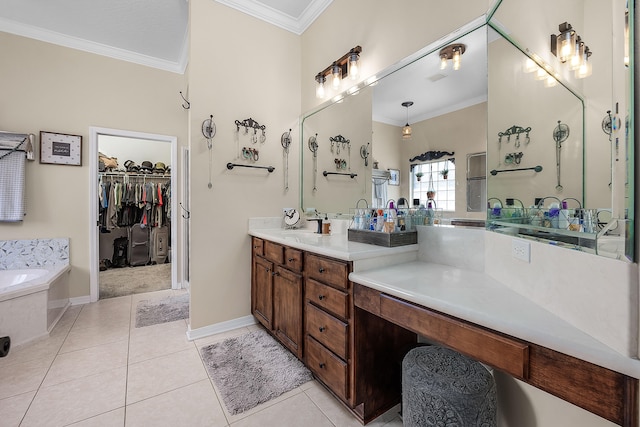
x=134 y=215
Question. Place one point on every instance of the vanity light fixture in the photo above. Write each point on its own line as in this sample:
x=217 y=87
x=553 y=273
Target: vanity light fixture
x=569 y=47
x=347 y=65
x=406 y=129
x=452 y=52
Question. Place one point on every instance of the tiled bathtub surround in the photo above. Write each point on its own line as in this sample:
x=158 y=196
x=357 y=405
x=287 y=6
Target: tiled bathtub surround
x=17 y=254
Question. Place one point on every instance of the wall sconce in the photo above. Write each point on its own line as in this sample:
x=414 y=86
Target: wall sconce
x=347 y=65
x=452 y=52
x=569 y=47
x=406 y=129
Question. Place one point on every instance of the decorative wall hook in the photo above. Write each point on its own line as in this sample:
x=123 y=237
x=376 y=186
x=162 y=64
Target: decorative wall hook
x=252 y=124
x=338 y=141
x=188 y=104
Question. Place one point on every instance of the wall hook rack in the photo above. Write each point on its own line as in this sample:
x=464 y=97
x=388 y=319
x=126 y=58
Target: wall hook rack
x=188 y=104
x=250 y=124
x=232 y=165
x=351 y=175
x=535 y=168
x=431 y=155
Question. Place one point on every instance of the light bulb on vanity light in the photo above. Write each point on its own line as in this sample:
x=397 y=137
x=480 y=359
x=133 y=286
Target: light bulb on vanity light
x=320 y=82
x=354 y=65
x=336 y=76
x=456 y=59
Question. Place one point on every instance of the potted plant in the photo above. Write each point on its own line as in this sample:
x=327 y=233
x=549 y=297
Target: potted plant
x=419 y=176
x=444 y=173
x=431 y=194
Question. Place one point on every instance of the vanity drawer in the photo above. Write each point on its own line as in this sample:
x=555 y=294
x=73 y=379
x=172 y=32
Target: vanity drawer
x=331 y=299
x=327 y=367
x=293 y=259
x=328 y=330
x=274 y=252
x=257 y=246
x=331 y=272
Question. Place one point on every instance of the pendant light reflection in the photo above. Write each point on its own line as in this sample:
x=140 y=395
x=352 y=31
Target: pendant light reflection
x=406 y=129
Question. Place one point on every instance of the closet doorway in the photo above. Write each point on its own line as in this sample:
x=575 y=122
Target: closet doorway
x=134 y=228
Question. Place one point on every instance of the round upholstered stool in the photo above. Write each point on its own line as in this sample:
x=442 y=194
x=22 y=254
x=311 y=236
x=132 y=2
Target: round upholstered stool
x=441 y=387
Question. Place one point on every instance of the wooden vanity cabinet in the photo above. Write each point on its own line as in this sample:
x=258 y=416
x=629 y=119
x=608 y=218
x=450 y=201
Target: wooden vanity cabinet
x=327 y=314
x=276 y=291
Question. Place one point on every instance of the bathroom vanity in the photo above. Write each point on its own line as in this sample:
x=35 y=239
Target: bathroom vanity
x=357 y=309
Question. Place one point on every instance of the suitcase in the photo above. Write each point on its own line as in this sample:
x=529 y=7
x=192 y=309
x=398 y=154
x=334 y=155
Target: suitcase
x=139 y=253
x=119 y=258
x=159 y=244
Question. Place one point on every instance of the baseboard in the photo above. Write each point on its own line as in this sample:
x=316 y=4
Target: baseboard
x=205 y=331
x=86 y=299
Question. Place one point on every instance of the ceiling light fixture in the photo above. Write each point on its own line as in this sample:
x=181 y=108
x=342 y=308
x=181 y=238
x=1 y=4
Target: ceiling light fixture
x=452 y=52
x=568 y=47
x=347 y=65
x=406 y=129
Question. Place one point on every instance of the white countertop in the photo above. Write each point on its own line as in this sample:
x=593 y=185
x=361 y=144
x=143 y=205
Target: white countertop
x=331 y=245
x=477 y=298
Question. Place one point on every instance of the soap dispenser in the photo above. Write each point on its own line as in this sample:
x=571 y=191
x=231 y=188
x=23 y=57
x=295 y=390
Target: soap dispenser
x=326 y=225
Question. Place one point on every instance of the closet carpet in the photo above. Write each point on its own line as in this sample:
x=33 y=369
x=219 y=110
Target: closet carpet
x=116 y=282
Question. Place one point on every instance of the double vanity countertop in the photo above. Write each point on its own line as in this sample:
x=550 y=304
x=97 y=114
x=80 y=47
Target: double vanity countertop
x=462 y=293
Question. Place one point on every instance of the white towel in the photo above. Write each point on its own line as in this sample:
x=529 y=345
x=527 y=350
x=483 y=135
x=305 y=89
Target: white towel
x=12 y=200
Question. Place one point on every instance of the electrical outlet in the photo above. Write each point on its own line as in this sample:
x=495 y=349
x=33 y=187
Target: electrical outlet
x=521 y=249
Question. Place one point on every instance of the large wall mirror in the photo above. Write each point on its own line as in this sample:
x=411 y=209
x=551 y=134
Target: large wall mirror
x=569 y=127
x=573 y=137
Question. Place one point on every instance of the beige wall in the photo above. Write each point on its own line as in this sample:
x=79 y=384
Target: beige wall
x=46 y=87
x=240 y=67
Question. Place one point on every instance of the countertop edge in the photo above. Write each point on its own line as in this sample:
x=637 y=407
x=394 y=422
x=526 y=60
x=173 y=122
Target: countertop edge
x=579 y=345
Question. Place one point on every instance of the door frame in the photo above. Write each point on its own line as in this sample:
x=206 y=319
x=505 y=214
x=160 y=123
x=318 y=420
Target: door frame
x=94 y=133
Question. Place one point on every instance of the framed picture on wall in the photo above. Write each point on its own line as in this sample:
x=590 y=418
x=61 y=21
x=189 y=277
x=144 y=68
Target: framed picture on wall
x=394 y=177
x=60 y=149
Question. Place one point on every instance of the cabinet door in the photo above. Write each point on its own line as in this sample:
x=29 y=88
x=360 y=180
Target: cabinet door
x=262 y=291
x=287 y=314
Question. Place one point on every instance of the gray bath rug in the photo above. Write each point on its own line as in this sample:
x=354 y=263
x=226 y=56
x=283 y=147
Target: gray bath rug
x=169 y=309
x=252 y=369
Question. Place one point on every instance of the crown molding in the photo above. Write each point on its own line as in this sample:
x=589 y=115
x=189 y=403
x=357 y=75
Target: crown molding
x=277 y=18
x=56 y=38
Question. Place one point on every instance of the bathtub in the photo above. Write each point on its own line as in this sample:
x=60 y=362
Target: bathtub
x=32 y=300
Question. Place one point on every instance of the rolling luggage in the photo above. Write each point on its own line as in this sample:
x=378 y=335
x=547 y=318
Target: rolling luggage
x=119 y=258
x=139 y=253
x=159 y=244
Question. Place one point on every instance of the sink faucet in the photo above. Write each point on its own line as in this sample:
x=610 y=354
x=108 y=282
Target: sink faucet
x=319 y=221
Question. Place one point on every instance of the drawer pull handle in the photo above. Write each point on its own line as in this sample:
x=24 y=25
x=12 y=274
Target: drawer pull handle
x=290 y=260
x=266 y=269
x=321 y=297
x=275 y=273
x=321 y=270
x=322 y=365
x=322 y=328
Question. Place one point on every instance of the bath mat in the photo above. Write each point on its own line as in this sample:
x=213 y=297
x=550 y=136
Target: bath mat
x=252 y=369
x=170 y=309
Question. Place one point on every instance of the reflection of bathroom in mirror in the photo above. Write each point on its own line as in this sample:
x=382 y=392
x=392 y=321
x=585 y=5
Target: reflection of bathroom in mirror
x=573 y=137
x=570 y=151
x=448 y=114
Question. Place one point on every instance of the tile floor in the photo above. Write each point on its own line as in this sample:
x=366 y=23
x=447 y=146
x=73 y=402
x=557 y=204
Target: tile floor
x=97 y=369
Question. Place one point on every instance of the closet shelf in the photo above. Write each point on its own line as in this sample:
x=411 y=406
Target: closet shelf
x=134 y=175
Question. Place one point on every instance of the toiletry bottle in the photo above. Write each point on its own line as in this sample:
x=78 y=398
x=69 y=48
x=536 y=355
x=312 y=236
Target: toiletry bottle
x=496 y=212
x=326 y=225
x=429 y=215
x=380 y=222
x=564 y=218
x=374 y=221
x=367 y=220
x=392 y=217
x=554 y=214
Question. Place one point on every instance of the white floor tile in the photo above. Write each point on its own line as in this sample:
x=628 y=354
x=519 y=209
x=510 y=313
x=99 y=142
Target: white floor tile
x=77 y=400
x=155 y=376
x=113 y=418
x=12 y=409
x=86 y=362
x=298 y=410
x=22 y=377
x=193 y=405
x=158 y=340
x=79 y=339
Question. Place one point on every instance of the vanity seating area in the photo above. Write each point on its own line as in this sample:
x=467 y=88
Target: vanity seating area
x=360 y=308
